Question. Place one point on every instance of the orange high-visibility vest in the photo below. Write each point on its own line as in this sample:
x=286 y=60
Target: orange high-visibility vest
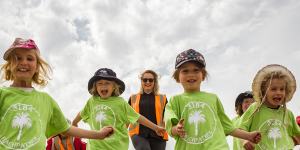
x=59 y=145
x=160 y=102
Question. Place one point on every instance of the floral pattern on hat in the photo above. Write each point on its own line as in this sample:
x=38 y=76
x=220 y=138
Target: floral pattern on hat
x=189 y=55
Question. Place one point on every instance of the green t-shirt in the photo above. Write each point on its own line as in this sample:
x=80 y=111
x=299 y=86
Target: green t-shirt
x=276 y=134
x=28 y=119
x=205 y=122
x=237 y=143
x=113 y=111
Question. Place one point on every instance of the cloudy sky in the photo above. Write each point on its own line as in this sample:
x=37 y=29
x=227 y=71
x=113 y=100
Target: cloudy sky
x=77 y=37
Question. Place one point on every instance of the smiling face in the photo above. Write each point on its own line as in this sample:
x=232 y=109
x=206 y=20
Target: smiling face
x=190 y=77
x=276 y=93
x=246 y=103
x=105 y=88
x=147 y=81
x=25 y=68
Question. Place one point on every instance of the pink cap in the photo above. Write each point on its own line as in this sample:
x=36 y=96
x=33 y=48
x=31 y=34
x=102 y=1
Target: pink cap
x=21 y=43
x=298 y=120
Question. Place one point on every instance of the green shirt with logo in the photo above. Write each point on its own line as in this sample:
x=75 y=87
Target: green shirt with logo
x=276 y=130
x=28 y=119
x=113 y=111
x=205 y=122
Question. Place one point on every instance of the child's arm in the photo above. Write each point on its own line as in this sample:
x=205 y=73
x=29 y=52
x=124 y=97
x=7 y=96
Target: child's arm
x=254 y=136
x=90 y=134
x=76 y=120
x=178 y=130
x=144 y=121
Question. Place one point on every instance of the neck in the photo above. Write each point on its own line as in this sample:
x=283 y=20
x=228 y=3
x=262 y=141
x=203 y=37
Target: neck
x=147 y=91
x=191 y=90
x=25 y=84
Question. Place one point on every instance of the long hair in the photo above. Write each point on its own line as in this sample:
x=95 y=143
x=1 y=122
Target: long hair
x=41 y=76
x=156 y=86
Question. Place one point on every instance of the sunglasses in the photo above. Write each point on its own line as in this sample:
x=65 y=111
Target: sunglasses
x=147 y=79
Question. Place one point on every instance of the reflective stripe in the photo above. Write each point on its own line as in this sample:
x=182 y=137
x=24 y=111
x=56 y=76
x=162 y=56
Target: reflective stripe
x=65 y=144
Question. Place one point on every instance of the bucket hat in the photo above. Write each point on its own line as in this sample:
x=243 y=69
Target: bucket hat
x=23 y=44
x=267 y=70
x=189 y=55
x=107 y=74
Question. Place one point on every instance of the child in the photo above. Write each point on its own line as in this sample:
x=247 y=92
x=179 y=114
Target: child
x=196 y=119
x=273 y=86
x=242 y=102
x=29 y=116
x=65 y=142
x=105 y=107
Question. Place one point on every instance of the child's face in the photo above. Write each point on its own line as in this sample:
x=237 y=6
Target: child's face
x=149 y=84
x=276 y=93
x=105 y=88
x=246 y=103
x=26 y=65
x=190 y=77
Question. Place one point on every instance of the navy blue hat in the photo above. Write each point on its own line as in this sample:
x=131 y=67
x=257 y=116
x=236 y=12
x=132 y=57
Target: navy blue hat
x=189 y=55
x=106 y=74
x=242 y=96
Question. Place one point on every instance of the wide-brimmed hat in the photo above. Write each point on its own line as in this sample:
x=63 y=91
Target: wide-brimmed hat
x=189 y=55
x=23 y=44
x=268 y=70
x=107 y=74
x=242 y=96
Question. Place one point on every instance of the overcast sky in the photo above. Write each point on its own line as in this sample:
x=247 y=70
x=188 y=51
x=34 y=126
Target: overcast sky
x=77 y=37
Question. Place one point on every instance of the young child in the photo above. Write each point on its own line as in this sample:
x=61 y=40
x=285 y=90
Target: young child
x=29 y=117
x=273 y=86
x=105 y=107
x=195 y=118
x=242 y=102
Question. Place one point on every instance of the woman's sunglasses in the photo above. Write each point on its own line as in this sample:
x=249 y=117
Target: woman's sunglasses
x=147 y=79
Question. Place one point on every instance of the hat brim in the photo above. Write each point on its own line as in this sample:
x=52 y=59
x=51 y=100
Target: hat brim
x=189 y=60
x=261 y=74
x=8 y=51
x=96 y=78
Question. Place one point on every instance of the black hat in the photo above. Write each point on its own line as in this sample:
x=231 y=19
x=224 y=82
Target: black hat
x=240 y=99
x=107 y=74
x=187 y=56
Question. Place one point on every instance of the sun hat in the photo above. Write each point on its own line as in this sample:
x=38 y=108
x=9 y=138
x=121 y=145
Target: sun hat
x=242 y=96
x=189 y=55
x=23 y=44
x=107 y=74
x=267 y=70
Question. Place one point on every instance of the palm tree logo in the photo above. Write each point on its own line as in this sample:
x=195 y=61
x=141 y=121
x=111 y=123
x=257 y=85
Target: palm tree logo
x=20 y=121
x=196 y=118
x=100 y=117
x=274 y=134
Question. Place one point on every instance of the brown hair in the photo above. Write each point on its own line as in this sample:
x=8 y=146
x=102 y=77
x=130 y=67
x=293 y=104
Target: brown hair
x=176 y=72
x=41 y=77
x=156 y=86
x=116 y=91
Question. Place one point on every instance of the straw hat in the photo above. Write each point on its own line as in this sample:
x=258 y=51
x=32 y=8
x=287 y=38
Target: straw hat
x=267 y=70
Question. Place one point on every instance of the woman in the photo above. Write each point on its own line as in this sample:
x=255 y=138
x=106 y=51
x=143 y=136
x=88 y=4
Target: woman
x=149 y=103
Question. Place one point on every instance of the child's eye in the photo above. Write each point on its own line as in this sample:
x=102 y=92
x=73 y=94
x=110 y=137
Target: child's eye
x=184 y=71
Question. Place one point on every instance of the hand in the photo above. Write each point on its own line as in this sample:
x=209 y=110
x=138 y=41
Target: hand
x=106 y=132
x=255 y=137
x=248 y=145
x=160 y=131
x=179 y=129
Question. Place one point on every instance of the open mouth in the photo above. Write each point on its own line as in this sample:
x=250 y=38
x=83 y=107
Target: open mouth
x=22 y=69
x=104 y=92
x=191 y=81
x=277 y=99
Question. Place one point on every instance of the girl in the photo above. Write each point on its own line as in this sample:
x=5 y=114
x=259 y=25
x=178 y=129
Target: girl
x=105 y=107
x=29 y=117
x=196 y=119
x=242 y=103
x=273 y=86
x=149 y=103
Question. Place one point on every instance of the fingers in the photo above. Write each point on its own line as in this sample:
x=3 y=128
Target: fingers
x=248 y=145
x=180 y=128
x=181 y=121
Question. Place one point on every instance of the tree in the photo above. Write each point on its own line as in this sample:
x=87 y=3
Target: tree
x=100 y=117
x=20 y=121
x=195 y=118
x=274 y=134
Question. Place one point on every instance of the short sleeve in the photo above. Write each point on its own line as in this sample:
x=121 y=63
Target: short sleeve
x=85 y=113
x=246 y=119
x=170 y=116
x=225 y=121
x=132 y=115
x=57 y=123
x=295 y=130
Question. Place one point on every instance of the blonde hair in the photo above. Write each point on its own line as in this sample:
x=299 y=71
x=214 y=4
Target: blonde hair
x=176 y=72
x=116 y=91
x=41 y=76
x=156 y=85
